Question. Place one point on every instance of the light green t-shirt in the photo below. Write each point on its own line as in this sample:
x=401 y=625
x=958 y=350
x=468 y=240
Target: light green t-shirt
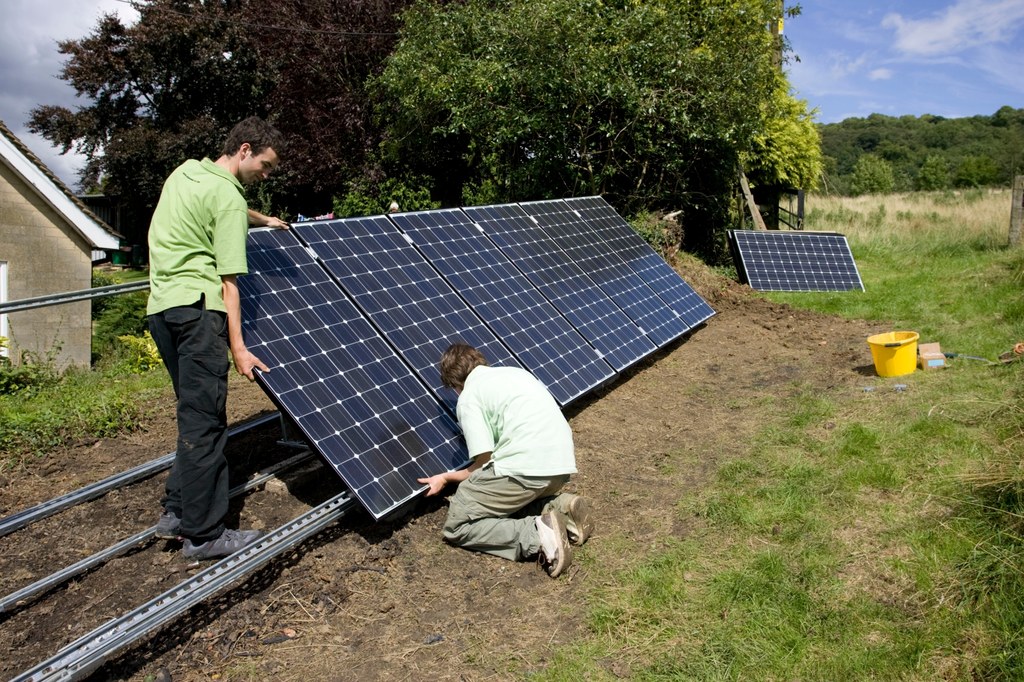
x=508 y=412
x=197 y=235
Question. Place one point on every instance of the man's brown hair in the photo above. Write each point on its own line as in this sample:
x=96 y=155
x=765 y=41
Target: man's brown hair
x=258 y=133
x=457 y=362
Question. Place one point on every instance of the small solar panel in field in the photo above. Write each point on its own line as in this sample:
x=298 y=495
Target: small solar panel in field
x=794 y=261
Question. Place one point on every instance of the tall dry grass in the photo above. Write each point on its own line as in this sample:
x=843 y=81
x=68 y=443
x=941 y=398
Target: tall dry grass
x=978 y=215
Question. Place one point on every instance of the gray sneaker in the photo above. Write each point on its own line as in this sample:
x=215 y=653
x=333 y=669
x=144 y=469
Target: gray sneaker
x=169 y=526
x=229 y=542
x=555 y=553
x=579 y=522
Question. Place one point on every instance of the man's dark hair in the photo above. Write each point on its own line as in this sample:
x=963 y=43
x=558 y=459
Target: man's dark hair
x=457 y=362
x=258 y=133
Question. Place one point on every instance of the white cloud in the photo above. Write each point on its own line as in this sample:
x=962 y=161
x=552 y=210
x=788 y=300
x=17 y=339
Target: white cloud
x=961 y=26
x=880 y=74
x=30 y=64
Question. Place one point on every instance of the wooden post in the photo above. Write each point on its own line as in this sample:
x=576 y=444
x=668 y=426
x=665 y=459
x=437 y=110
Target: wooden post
x=755 y=212
x=1017 y=210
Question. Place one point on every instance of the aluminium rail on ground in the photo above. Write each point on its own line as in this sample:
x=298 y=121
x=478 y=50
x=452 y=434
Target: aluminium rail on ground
x=20 y=597
x=86 y=654
x=21 y=519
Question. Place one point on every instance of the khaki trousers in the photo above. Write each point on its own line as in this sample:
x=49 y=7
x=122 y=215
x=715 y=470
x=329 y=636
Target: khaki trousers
x=496 y=514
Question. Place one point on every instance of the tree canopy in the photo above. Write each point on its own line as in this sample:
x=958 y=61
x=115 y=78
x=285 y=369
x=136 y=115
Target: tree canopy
x=647 y=103
x=929 y=152
x=651 y=104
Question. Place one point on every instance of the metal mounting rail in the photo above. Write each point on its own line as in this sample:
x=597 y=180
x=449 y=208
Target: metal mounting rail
x=23 y=518
x=72 y=296
x=83 y=656
x=19 y=597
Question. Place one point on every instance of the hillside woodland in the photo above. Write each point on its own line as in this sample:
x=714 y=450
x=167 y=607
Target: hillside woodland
x=885 y=153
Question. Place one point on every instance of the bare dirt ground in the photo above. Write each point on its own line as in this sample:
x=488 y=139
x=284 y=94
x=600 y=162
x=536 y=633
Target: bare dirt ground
x=390 y=601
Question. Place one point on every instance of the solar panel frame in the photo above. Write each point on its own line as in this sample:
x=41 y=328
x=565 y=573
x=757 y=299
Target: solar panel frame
x=621 y=239
x=781 y=260
x=525 y=243
x=402 y=294
x=358 y=404
x=540 y=337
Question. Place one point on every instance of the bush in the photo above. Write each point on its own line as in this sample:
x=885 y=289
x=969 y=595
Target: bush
x=411 y=195
x=101 y=279
x=140 y=353
x=123 y=315
x=872 y=175
x=31 y=372
x=662 y=234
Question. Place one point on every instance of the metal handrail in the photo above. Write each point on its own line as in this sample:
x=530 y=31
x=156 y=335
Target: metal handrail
x=72 y=296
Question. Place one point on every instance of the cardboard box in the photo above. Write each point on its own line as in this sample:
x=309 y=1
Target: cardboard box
x=930 y=356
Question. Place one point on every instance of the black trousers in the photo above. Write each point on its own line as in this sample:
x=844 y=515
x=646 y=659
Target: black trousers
x=193 y=343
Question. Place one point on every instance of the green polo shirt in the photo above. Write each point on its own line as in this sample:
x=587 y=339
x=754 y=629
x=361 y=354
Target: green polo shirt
x=506 y=411
x=197 y=235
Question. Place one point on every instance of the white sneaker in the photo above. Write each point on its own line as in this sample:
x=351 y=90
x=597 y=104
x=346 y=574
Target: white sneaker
x=555 y=553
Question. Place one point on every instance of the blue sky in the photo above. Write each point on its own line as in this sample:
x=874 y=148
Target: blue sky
x=898 y=57
x=950 y=58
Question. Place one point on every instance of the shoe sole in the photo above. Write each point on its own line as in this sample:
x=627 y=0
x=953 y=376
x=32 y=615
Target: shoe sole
x=564 y=549
x=581 y=523
x=167 y=536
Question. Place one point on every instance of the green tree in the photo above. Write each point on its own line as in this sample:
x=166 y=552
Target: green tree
x=907 y=142
x=934 y=173
x=872 y=175
x=647 y=103
x=976 y=171
x=787 y=152
x=170 y=86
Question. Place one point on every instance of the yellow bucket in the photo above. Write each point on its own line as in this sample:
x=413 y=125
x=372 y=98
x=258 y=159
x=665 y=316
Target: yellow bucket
x=894 y=353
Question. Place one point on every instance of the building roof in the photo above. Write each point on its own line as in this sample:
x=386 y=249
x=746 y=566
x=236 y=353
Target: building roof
x=19 y=158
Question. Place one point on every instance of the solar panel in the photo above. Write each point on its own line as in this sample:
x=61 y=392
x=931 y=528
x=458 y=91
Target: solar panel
x=564 y=283
x=794 y=261
x=582 y=245
x=610 y=230
x=402 y=295
x=543 y=340
x=358 y=404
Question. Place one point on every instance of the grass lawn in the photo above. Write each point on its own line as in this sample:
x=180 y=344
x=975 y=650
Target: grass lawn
x=889 y=549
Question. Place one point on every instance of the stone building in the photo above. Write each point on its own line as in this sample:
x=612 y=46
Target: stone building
x=47 y=241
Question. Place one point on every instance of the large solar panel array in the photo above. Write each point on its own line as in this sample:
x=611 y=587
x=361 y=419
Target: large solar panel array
x=794 y=261
x=352 y=315
x=610 y=271
x=564 y=283
x=404 y=297
x=611 y=232
x=520 y=316
x=356 y=401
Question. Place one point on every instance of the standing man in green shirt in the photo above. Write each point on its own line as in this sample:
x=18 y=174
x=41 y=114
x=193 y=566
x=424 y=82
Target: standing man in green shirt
x=509 y=502
x=196 y=251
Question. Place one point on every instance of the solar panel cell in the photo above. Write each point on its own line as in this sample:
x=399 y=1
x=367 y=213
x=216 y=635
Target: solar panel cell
x=402 y=294
x=582 y=244
x=611 y=230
